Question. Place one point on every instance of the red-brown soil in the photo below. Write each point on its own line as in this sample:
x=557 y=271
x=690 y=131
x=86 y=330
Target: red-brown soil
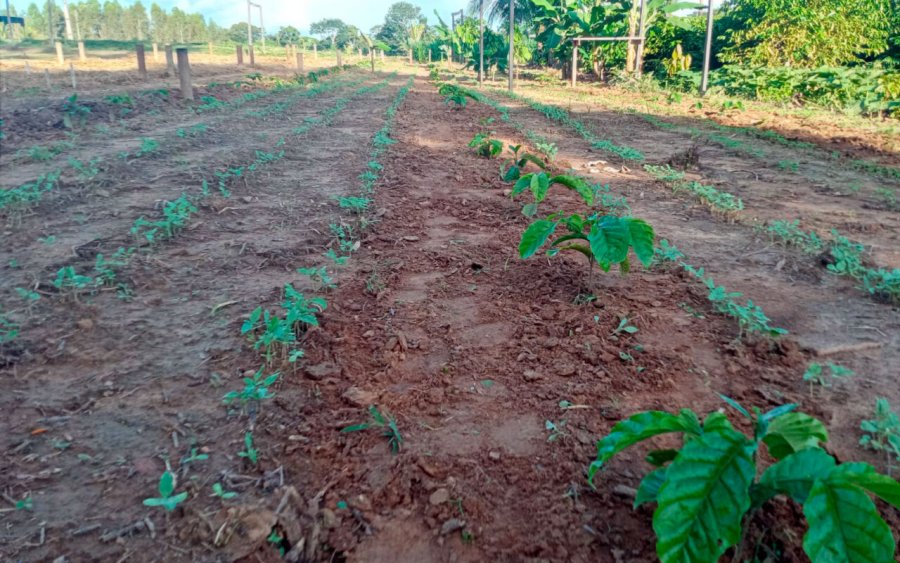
x=436 y=320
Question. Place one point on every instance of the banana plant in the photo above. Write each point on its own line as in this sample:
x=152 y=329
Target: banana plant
x=704 y=490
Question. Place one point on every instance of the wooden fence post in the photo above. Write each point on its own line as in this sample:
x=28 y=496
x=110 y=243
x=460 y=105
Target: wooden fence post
x=47 y=77
x=339 y=57
x=82 y=55
x=210 y=48
x=184 y=74
x=252 y=57
x=315 y=51
x=59 y=54
x=155 y=52
x=372 y=58
x=170 y=61
x=27 y=69
x=141 y=61
x=382 y=56
x=239 y=51
x=72 y=74
x=300 y=63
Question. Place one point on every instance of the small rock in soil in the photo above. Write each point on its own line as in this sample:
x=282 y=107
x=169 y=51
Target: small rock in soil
x=452 y=525
x=625 y=491
x=357 y=397
x=531 y=375
x=494 y=456
x=440 y=496
x=323 y=370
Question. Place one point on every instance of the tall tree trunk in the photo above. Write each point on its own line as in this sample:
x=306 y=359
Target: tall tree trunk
x=68 y=21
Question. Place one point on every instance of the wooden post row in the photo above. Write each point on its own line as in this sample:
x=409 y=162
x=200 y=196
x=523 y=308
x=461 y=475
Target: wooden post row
x=82 y=56
x=170 y=61
x=141 y=61
x=184 y=74
x=59 y=53
x=239 y=51
x=300 y=63
x=252 y=57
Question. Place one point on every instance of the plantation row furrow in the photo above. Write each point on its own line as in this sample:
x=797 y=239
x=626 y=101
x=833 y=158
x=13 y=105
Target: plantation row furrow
x=837 y=174
x=713 y=131
x=85 y=174
x=78 y=115
x=214 y=267
x=204 y=160
x=880 y=282
x=109 y=264
x=738 y=272
x=596 y=227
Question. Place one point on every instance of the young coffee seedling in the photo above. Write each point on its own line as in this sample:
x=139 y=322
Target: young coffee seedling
x=219 y=491
x=175 y=216
x=319 y=276
x=704 y=489
x=68 y=279
x=338 y=260
x=604 y=240
x=267 y=331
x=539 y=183
x=454 y=95
x=518 y=163
x=358 y=205
x=192 y=457
x=883 y=432
x=9 y=329
x=256 y=390
x=166 y=499
x=86 y=170
x=249 y=452
x=556 y=430
x=148 y=146
x=815 y=374
x=485 y=146
x=624 y=327
x=384 y=421
x=76 y=115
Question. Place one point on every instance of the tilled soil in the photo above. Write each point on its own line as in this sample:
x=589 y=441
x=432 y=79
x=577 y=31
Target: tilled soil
x=498 y=372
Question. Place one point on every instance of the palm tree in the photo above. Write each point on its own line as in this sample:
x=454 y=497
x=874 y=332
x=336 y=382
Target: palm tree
x=497 y=11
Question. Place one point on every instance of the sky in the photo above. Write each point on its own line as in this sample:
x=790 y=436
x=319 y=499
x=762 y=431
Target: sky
x=364 y=14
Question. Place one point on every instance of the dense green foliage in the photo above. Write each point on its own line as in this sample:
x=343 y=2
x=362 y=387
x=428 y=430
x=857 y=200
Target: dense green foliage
x=704 y=489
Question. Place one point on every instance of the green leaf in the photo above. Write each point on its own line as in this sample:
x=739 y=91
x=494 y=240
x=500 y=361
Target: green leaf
x=650 y=485
x=642 y=239
x=704 y=498
x=609 y=239
x=540 y=183
x=794 y=475
x=522 y=184
x=844 y=525
x=356 y=427
x=793 y=432
x=638 y=428
x=529 y=209
x=661 y=457
x=166 y=484
x=864 y=475
x=577 y=184
x=535 y=236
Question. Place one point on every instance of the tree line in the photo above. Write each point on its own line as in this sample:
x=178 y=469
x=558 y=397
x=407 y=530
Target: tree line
x=92 y=19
